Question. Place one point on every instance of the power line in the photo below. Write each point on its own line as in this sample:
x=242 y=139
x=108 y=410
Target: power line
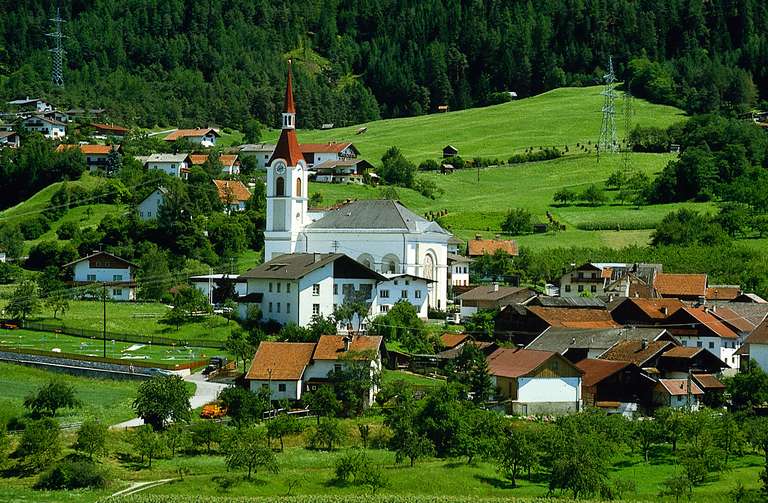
x=608 y=141
x=57 y=66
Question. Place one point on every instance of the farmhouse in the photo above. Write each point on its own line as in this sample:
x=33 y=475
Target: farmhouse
x=172 y=164
x=458 y=269
x=230 y=164
x=492 y=297
x=695 y=327
x=643 y=353
x=536 y=382
x=261 y=152
x=9 y=139
x=233 y=194
x=95 y=155
x=383 y=235
x=355 y=171
x=107 y=130
x=289 y=369
x=688 y=287
x=318 y=153
x=756 y=346
x=113 y=273
x=616 y=386
x=149 y=207
x=632 y=311
x=205 y=137
x=406 y=287
x=28 y=104
x=597 y=278
x=677 y=362
x=50 y=128
x=678 y=394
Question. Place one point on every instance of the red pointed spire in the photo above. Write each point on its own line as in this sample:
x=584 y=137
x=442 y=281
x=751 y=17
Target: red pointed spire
x=289 y=106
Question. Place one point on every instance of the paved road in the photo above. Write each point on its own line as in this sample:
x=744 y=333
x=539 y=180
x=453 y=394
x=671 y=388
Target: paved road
x=205 y=392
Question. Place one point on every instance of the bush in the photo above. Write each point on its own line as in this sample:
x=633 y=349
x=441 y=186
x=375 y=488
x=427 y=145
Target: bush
x=69 y=474
x=427 y=188
x=67 y=230
x=540 y=155
x=34 y=227
x=517 y=221
x=649 y=139
x=429 y=165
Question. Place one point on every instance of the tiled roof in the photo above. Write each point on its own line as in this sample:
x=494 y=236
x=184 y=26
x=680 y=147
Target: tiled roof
x=709 y=321
x=285 y=360
x=754 y=312
x=173 y=158
x=110 y=127
x=298 y=265
x=96 y=149
x=732 y=319
x=452 y=257
x=96 y=254
x=597 y=370
x=227 y=160
x=685 y=285
x=679 y=387
x=198 y=159
x=231 y=191
x=723 y=292
x=375 y=214
x=559 y=339
x=632 y=351
x=708 y=381
x=454 y=352
x=331 y=347
x=682 y=352
x=452 y=340
x=479 y=247
x=490 y=292
x=574 y=318
x=759 y=335
x=516 y=362
x=653 y=308
x=323 y=148
x=287 y=148
x=190 y=133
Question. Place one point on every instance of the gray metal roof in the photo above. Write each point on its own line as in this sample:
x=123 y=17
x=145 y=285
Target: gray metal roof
x=452 y=257
x=167 y=158
x=298 y=265
x=562 y=339
x=545 y=301
x=376 y=214
x=258 y=147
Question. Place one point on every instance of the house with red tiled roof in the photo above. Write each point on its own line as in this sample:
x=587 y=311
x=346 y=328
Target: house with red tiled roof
x=678 y=394
x=205 y=137
x=478 y=247
x=318 y=153
x=492 y=297
x=535 y=382
x=643 y=353
x=230 y=163
x=697 y=327
x=109 y=130
x=756 y=346
x=290 y=369
x=640 y=312
x=723 y=293
x=688 y=287
x=616 y=386
x=95 y=155
x=677 y=362
x=233 y=194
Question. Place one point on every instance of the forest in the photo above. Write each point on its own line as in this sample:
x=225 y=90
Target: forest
x=178 y=62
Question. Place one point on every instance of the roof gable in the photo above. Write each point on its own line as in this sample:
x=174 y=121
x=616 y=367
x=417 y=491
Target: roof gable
x=231 y=191
x=100 y=253
x=596 y=371
x=513 y=363
x=375 y=214
x=362 y=347
x=681 y=285
x=281 y=361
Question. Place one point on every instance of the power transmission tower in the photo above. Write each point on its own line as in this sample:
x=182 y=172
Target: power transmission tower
x=629 y=115
x=608 y=141
x=57 y=68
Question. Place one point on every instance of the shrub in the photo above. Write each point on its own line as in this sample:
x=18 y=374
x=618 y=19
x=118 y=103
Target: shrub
x=67 y=230
x=429 y=165
x=34 y=227
x=69 y=474
x=517 y=221
x=541 y=155
x=427 y=188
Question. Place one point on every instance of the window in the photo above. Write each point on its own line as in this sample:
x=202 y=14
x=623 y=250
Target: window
x=581 y=288
x=404 y=294
x=316 y=289
x=287 y=288
x=315 y=308
x=270 y=287
x=298 y=187
x=711 y=345
x=683 y=342
x=335 y=306
x=337 y=367
x=366 y=291
x=288 y=308
x=592 y=288
x=384 y=294
x=281 y=387
x=280 y=186
x=395 y=282
x=335 y=289
x=117 y=292
x=278 y=287
x=117 y=277
x=417 y=294
x=567 y=288
x=407 y=282
x=581 y=275
x=91 y=277
x=278 y=307
x=270 y=307
x=264 y=386
x=698 y=344
x=149 y=213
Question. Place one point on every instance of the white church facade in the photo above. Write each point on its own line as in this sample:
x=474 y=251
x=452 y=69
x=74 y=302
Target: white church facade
x=381 y=234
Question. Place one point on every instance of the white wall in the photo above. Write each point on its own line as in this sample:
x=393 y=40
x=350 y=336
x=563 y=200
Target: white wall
x=170 y=168
x=83 y=269
x=759 y=353
x=543 y=389
x=396 y=286
x=591 y=279
x=724 y=349
x=292 y=389
x=150 y=207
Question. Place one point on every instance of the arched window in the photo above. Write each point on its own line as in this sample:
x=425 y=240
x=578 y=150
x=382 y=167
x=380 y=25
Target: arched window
x=390 y=264
x=280 y=186
x=298 y=187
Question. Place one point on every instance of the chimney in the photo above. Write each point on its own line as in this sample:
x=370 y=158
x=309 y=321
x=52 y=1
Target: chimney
x=610 y=298
x=573 y=340
x=664 y=311
x=644 y=343
x=495 y=287
x=317 y=258
x=347 y=342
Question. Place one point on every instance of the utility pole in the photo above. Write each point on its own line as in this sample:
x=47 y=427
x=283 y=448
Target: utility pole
x=104 y=315
x=608 y=141
x=57 y=67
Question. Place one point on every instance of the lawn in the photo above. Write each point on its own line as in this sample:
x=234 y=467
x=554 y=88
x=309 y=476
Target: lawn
x=137 y=318
x=105 y=399
x=560 y=117
x=393 y=376
x=40 y=200
x=93 y=346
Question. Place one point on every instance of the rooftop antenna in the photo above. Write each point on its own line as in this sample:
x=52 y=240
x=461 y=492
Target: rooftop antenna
x=57 y=67
x=608 y=140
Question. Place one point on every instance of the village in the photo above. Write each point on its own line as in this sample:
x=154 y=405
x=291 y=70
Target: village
x=362 y=289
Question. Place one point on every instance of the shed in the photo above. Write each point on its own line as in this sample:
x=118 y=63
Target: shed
x=450 y=151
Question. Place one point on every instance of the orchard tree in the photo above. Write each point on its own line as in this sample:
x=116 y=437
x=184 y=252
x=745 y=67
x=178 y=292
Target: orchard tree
x=91 y=438
x=52 y=396
x=207 y=433
x=147 y=443
x=163 y=399
x=516 y=452
x=24 y=301
x=40 y=443
x=280 y=426
x=244 y=406
x=322 y=402
x=470 y=369
x=246 y=448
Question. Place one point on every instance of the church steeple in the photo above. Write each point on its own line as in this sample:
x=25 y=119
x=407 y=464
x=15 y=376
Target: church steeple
x=287 y=147
x=289 y=108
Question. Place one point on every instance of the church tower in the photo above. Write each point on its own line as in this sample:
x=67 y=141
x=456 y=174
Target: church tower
x=286 y=187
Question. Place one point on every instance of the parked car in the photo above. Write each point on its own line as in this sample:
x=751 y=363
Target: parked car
x=215 y=363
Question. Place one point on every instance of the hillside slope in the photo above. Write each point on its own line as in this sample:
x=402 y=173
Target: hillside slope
x=560 y=117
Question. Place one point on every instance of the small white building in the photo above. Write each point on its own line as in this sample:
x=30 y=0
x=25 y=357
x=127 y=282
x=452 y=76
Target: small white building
x=172 y=164
x=233 y=194
x=756 y=346
x=102 y=268
x=262 y=152
x=50 y=128
x=208 y=283
x=407 y=287
x=31 y=105
x=317 y=153
x=289 y=369
x=458 y=269
x=678 y=394
x=355 y=171
x=149 y=207
x=9 y=139
x=205 y=137
x=3 y=258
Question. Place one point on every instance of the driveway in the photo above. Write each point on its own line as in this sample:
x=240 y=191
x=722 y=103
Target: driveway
x=205 y=392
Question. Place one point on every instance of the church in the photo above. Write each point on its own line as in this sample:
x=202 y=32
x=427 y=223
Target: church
x=383 y=235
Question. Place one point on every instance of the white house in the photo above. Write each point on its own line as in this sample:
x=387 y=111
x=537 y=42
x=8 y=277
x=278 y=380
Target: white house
x=208 y=283
x=380 y=234
x=50 y=128
x=293 y=288
x=149 y=207
x=2 y=257
x=32 y=105
x=205 y=137
x=289 y=369
x=458 y=269
x=756 y=346
x=678 y=394
x=102 y=268
x=95 y=155
x=318 y=153
x=536 y=382
x=262 y=152
x=233 y=194
x=696 y=327
x=397 y=287
x=173 y=164
x=345 y=171
x=9 y=139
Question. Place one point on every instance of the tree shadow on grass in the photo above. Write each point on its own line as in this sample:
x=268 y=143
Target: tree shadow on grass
x=496 y=482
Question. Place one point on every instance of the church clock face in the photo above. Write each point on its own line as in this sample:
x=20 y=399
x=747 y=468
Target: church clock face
x=280 y=169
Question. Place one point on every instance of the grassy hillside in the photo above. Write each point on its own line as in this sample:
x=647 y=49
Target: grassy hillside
x=564 y=116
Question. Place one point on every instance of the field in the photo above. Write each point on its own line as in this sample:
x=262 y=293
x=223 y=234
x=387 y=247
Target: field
x=564 y=116
x=104 y=399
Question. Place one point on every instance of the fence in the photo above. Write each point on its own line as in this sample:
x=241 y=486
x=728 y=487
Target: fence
x=100 y=359
x=122 y=337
